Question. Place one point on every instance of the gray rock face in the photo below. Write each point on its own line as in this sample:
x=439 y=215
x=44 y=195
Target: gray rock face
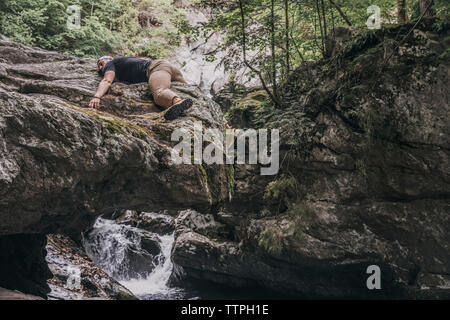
x=62 y=164
x=200 y=223
x=366 y=179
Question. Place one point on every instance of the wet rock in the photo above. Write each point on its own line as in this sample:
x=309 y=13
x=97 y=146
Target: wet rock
x=6 y=294
x=204 y=224
x=153 y=222
x=76 y=277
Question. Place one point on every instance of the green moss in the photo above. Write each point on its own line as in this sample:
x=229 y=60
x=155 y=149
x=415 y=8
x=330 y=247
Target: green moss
x=280 y=188
x=113 y=124
x=366 y=39
x=230 y=179
x=257 y=95
x=204 y=179
x=445 y=56
x=119 y=126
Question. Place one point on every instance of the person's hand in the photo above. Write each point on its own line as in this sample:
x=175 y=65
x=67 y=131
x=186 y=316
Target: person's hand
x=95 y=103
x=226 y=124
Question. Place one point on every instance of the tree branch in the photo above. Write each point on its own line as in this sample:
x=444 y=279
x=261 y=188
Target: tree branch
x=341 y=13
x=244 y=51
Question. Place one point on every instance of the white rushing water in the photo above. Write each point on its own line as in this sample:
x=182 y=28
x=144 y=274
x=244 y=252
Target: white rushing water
x=108 y=244
x=154 y=286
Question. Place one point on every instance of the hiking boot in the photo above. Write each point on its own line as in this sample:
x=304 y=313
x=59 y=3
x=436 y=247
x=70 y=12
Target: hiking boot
x=177 y=109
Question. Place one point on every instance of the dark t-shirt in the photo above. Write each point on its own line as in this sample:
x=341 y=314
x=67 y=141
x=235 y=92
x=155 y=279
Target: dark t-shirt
x=131 y=70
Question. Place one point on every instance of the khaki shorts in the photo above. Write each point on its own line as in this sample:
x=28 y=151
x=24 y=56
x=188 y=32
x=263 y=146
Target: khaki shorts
x=160 y=74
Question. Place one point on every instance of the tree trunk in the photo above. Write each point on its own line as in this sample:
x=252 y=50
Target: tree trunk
x=426 y=8
x=286 y=14
x=401 y=11
x=272 y=44
x=272 y=97
x=324 y=22
x=321 y=30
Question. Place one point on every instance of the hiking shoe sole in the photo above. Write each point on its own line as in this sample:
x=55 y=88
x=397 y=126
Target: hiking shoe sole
x=177 y=109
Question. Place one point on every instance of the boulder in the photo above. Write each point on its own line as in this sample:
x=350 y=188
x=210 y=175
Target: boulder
x=76 y=277
x=160 y=223
x=6 y=294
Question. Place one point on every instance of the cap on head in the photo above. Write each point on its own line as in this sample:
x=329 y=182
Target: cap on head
x=104 y=58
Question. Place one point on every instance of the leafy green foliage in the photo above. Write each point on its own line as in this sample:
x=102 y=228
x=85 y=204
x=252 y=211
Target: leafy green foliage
x=300 y=216
x=301 y=39
x=107 y=26
x=279 y=193
x=271 y=240
x=279 y=188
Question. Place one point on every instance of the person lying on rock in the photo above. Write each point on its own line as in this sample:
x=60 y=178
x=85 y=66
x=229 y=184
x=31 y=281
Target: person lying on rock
x=158 y=74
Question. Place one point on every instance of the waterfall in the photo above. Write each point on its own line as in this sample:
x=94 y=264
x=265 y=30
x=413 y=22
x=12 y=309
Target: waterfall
x=116 y=247
x=106 y=246
x=154 y=286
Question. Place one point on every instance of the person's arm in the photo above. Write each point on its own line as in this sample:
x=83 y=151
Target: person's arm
x=102 y=89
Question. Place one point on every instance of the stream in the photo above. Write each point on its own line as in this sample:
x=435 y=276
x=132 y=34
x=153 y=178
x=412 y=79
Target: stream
x=123 y=252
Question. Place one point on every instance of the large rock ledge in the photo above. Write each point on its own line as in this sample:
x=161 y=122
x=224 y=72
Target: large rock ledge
x=62 y=164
